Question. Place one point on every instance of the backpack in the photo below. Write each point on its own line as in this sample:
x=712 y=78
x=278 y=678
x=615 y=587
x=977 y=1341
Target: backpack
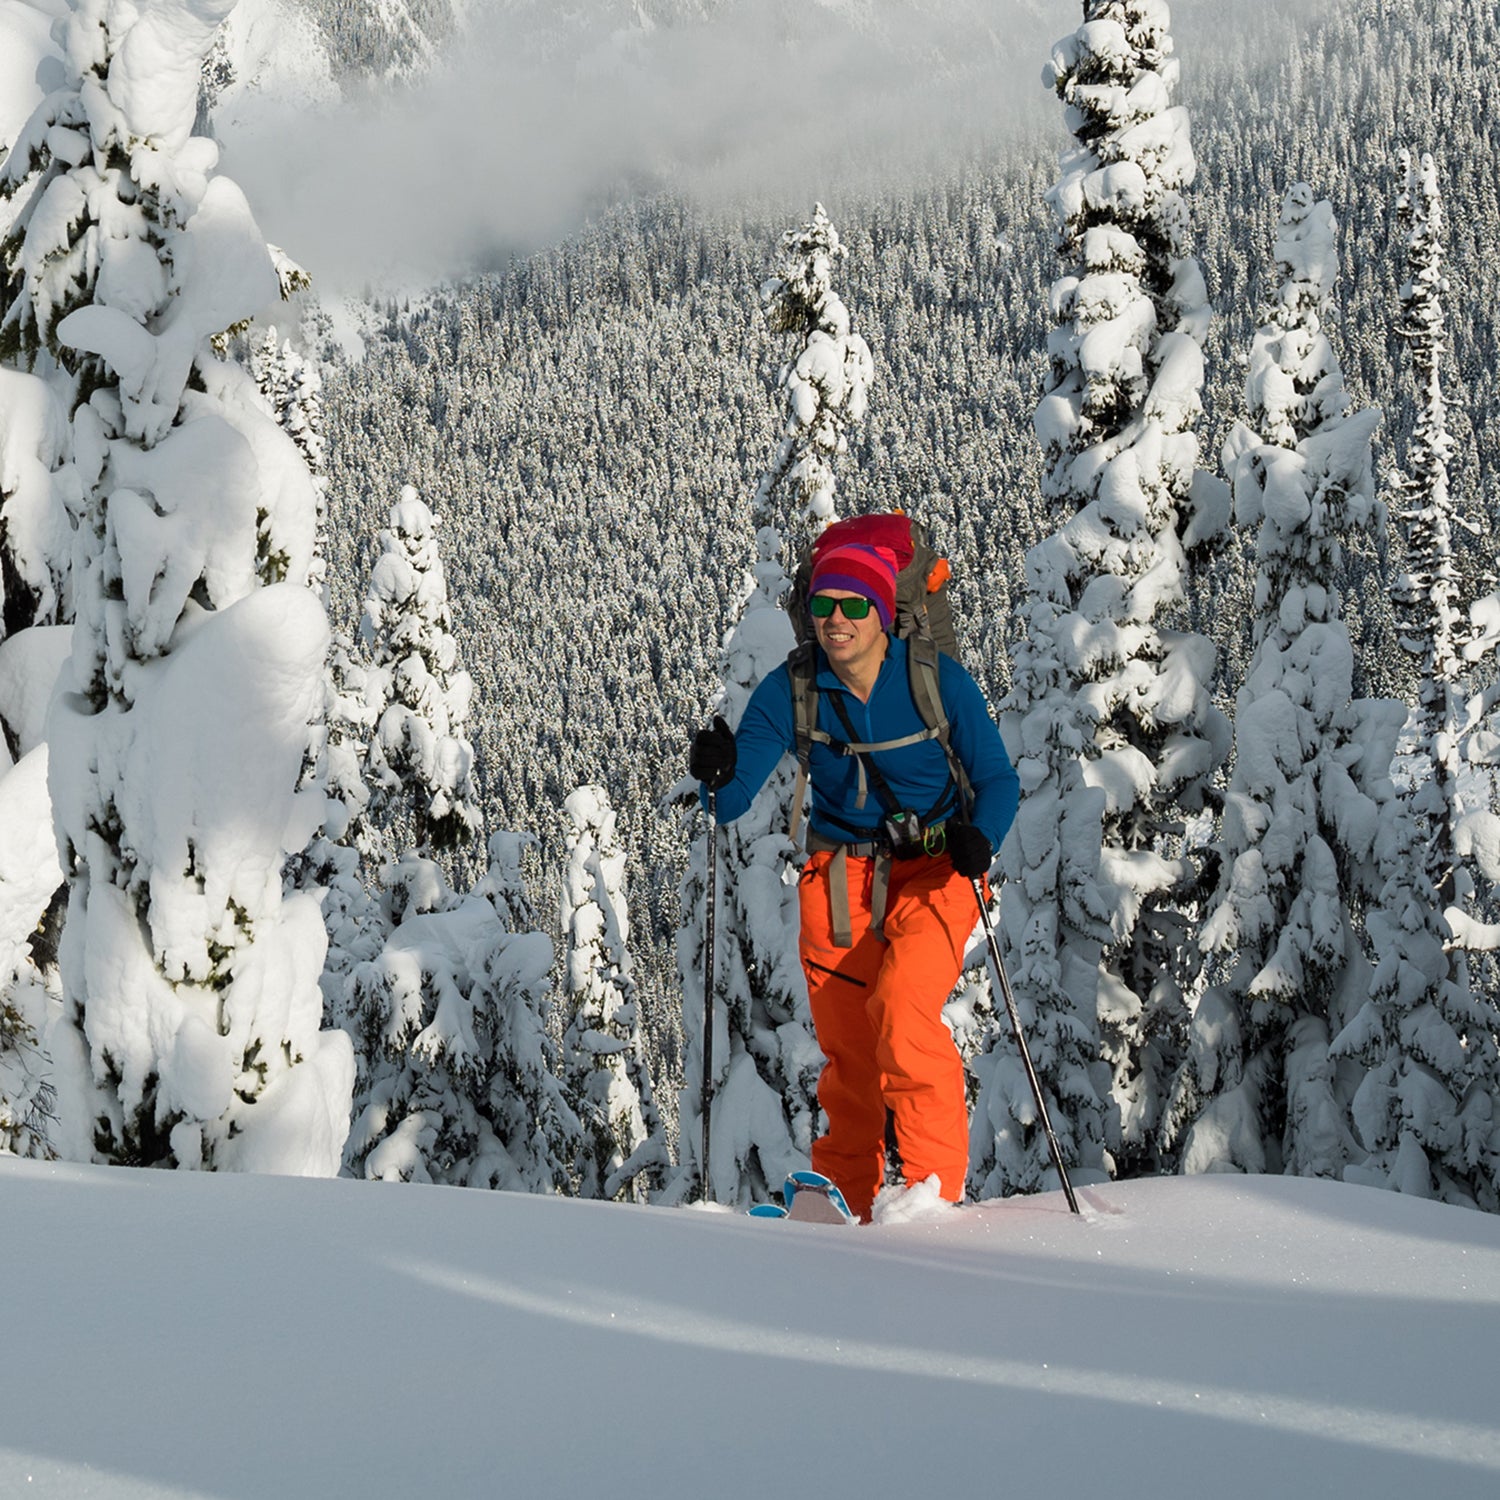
x=924 y=619
x=923 y=607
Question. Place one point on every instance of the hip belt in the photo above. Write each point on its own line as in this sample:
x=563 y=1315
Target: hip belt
x=878 y=849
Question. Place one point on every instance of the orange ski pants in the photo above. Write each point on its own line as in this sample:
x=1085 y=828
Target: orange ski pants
x=878 y=1011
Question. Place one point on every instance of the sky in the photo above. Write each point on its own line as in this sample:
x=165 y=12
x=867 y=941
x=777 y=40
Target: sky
x=171 y=1335
x=513 y=143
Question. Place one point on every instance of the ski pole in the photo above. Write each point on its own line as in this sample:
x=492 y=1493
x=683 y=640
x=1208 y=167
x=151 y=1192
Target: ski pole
x=710 y=904
x=1015 y=1021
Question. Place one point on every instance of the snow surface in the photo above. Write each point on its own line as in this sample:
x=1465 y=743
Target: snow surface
x=186 y=1334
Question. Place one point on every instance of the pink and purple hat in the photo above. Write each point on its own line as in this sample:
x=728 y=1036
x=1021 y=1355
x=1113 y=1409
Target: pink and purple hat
x=860 y=569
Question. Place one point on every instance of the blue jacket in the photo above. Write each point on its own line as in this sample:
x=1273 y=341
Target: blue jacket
x=918 y=774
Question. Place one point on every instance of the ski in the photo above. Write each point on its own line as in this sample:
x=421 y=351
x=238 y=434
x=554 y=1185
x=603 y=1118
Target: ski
x=813 y=1199
x=808 y=1197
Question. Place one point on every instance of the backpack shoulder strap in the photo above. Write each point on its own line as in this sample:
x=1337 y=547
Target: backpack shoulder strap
x=925 y=679
x=802 y=669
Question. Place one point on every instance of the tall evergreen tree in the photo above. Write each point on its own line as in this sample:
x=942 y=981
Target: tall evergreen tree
x=458 y=1079
x=174 y=765
x=533 y=1136
x=1257 y=1090
x=624 y=1143
x=766 y=1060
x=35 y=538
x=420 y=765
x=339 y=739
x=1107 y=673
x=825 y=384
x=1428 y=1108
x=1428 y=596
x=1428 y=593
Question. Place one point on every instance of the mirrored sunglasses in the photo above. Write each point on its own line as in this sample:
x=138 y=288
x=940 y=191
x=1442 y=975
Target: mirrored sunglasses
x=822 y=606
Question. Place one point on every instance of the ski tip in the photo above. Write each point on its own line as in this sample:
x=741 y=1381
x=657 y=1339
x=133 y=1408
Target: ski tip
x=767 y=1211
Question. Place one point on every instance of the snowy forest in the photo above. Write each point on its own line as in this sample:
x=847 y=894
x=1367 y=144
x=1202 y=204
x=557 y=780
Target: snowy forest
x=352 y=635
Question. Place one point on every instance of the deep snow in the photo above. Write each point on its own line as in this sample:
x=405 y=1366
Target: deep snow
x=177 y=1334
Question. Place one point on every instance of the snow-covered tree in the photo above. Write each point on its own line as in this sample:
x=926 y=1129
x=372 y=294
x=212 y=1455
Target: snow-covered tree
x=534 y=1128
x=34 y=546
x=624 y=1142
x=1428 y=1109
x=1057 y=911
x=420 y=765
x=458 y=1077
x=1106 y=672
x=458 y=1081
x=174 y=762
x=29 y=877
x=1427 y=596
x=341 y=859
x=344 y=852
x=826 y=382
x=1477 y=834
x=766 y=1063
x=293 y=389
x=1257 y=1090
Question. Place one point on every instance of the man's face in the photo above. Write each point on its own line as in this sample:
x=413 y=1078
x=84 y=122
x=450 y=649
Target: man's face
x=850 y=644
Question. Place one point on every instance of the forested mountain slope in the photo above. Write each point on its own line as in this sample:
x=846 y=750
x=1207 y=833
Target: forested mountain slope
x=589 y=423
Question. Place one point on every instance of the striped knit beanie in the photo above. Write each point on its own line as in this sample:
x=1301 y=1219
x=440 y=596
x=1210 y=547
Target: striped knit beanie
x=858 y=569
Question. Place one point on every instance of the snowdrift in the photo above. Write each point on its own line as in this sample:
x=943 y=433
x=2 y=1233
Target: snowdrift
x=174 y=1334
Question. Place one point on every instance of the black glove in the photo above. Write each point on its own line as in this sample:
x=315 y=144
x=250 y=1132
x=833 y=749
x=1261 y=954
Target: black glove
x=969 y=850
x=712 y=756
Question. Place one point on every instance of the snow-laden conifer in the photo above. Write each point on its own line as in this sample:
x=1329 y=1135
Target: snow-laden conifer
x=1427 y=1106
x=766 y=1062
x=29 y=877
x=174 y=762
x=1257 y=1090
x=459 y=1079
x=420 y=765
x=624 y=1147
x=1106 y=672
x=344 y=855
x=1427 y=596
x=1477 y=834
x=1430 y=608
x=1428 y=1109
x=825 y=383
x=534 y=1130
x=35 y=543
x=293 y=389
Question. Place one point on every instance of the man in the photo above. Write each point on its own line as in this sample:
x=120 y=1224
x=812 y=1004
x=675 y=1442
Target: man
x=887 y=895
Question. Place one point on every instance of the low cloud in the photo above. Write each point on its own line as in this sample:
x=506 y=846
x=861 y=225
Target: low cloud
x=758 y=103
